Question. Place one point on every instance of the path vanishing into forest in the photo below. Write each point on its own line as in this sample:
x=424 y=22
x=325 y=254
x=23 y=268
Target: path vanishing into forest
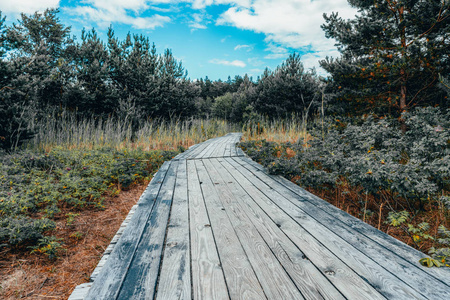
x=212 y=224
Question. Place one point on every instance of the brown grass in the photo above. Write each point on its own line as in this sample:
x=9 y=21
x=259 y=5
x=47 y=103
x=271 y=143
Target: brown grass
x=30 y=276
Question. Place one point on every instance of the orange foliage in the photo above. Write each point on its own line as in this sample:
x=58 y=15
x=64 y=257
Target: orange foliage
x=290 y=153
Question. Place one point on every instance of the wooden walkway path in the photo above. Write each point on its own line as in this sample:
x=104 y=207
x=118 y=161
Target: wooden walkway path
x=213 y=225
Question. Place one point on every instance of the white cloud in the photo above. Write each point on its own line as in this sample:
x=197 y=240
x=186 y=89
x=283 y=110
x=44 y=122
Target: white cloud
x=256 y=72
x=172 y=8
x=293 y=24
x=248 y=47
x=276 y=56
x=200 y=4
x=16 y=7
x=276 y=51
x=235 y=63
x=199 y=21
x=106 y=12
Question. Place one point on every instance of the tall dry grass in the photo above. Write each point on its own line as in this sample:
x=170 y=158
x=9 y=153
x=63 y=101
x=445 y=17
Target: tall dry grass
x=64 y=129
x=293 y=129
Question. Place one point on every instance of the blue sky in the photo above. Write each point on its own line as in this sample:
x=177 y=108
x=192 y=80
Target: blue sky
x=214 y=38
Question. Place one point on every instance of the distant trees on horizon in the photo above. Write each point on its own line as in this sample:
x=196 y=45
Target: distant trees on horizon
x=394 y=57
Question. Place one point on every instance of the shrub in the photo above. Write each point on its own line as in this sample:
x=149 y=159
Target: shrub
x=373 y=156
x=21 y=230
x=49 y=246
x=34 y=186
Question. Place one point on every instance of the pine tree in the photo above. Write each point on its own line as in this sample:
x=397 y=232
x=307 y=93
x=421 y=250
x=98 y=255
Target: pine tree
x=392 y=54
x=288 y=89
x=40 y=51
x=14 y=112
x=92 y=92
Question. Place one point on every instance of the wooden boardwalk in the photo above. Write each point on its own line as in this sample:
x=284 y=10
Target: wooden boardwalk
x=213 y=225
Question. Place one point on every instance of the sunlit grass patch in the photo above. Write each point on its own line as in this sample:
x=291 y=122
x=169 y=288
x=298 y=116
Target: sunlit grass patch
x=65 y=129
x=293 y=129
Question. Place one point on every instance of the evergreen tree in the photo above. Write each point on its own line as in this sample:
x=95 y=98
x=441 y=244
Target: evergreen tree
x=14 y=113
x=392 y=54
x=40 y=51
x=92 y=91
x=175 y=94
x=133 y=70
x=242 y=100
x=289 y=89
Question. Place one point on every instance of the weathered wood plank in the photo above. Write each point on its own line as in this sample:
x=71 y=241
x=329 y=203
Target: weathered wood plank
x=212 y=147
x=184 y=154
x=218 y=152
x=206 y=147
x=399 y=249
x=141 y=279
x=208 y=280
x=196 y=150
x=408 y=284
x=175 y=276
x=310 y=264
x=270 y=273
x=391 y=244
x=242 y=234
x=235 y=137
x=239 y=151
x=242 y=282
x=108 y=283
x=225 y=147
x=228 y=147
x=216 y=147
x=227 y=150
x=233 y=151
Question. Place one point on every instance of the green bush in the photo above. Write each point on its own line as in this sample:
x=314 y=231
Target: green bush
x=22 y=230
x=374 y=156
x=36 y=184
x=49 y=246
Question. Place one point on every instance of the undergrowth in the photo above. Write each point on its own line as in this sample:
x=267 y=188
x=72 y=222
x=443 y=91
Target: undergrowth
x=72 y=163
x=389 y=178
x=36 y=185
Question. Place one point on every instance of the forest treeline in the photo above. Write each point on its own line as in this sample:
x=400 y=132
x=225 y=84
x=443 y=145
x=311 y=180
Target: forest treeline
x=87 y=117
x=394 y=57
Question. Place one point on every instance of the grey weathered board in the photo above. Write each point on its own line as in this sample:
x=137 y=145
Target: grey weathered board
x=213 y=224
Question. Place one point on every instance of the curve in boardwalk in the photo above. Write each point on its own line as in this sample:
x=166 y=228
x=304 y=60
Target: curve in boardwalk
x=213 y=224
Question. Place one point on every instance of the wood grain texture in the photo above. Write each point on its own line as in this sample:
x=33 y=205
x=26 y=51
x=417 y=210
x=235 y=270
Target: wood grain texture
x=206 y=147
x=215 y=146
x=309 y=263
x=212 y=224
x=141 y=279
x=108 y=283
x=271 y=275
x=175 y=276
x=395 y=250
x=184 y=154
x=208 y=281
x=394 y=276
x=400 y=249
x=242 y=282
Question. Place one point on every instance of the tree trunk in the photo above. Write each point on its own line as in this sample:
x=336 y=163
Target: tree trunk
x=403 y=76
